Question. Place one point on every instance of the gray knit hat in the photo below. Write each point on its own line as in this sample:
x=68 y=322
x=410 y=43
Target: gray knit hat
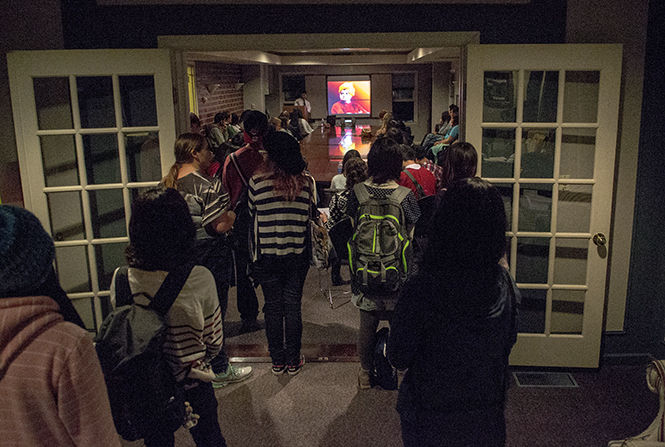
x=26 y=251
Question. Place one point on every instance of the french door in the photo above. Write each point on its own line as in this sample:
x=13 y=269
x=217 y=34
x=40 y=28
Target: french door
x=93 y=129
x=544 y=121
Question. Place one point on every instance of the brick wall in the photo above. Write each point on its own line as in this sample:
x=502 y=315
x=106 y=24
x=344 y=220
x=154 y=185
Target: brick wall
x=224 y=97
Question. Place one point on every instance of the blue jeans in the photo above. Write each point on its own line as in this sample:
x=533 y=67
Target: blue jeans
x=282 y=279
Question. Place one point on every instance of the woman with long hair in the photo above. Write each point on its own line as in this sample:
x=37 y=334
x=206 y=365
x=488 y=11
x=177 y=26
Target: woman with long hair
x=338 y=182
x=458 y=162
x=209 y=207
x=455 y=325
x=384 y=166
x=449 y=138
x=162 y=238
x=281 y=199
x=385 y=119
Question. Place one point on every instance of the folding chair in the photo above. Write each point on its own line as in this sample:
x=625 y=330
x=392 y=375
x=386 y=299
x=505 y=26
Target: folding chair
x=339 y=234
x=654 y=435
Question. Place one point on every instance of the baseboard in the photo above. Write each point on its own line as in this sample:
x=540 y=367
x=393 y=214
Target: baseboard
x=637 y=358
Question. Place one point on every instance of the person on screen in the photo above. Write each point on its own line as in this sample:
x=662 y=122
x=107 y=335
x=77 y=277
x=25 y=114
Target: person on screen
x=346 y=104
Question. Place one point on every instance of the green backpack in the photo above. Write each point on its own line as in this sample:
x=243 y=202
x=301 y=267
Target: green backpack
x=379 y=249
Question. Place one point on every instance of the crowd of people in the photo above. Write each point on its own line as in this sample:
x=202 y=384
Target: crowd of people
x=244 y=223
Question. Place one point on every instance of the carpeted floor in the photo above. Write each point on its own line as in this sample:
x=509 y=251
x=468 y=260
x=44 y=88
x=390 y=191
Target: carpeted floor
x=322 y=407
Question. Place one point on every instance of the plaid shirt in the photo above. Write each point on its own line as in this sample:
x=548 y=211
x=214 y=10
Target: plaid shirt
x=437 y=171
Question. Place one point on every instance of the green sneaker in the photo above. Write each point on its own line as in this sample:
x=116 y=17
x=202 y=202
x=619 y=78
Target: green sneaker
x=233 y=374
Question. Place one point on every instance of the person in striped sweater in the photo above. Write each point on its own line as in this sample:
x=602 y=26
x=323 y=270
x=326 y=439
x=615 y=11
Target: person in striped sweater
x=51 y=384
x=281 y=200
x=162 y=236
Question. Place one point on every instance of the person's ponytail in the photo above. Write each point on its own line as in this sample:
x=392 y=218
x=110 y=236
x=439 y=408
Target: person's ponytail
x=169 y=181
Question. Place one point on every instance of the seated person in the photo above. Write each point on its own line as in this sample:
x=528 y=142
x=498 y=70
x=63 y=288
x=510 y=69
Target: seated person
x=346 y=104
x=414 y=176
x=448 y=139
x=443 y=128
x=338 y=182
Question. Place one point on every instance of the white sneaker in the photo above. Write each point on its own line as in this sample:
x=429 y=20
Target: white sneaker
x=233 y=374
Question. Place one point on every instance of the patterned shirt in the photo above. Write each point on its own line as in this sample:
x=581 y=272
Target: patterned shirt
x=282 y=224
x=206 y=198
x=438 y=173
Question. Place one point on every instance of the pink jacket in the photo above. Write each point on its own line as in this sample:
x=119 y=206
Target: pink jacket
x=51 y=385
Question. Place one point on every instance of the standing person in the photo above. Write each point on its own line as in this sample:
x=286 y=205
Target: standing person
x=162 y=239
x=346 y=104
x=238 y=169
x=355 y=171
x=51 y=384
x=281 y=199
x=421 y=181
x=384 y=166
x=303 y=101
x=209 y=207
x=455 y=326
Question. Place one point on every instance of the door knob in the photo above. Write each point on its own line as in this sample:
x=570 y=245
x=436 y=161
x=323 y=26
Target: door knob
x=599 y=239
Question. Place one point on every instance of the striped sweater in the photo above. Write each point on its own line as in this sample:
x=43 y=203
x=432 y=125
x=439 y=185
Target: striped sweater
x=280 y=226
x=51 y=385
x=194 y=323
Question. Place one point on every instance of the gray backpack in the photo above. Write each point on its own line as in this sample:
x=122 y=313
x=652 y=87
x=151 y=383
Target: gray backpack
x=379 y=250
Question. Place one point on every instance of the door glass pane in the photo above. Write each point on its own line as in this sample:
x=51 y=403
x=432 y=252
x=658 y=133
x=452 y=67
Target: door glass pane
x=574 y=212
x=137 y=95
x=59 y=160
x=541 y=90
x=102 y=162
x=567 y=311
x=580 y=99
x=108 y=257
x=532 y=311
x=86 y=310
x=570 y=261
x=53 y=103
x=500 y=96
x=66 y=215
x=506 y=190
x=72 y=266
x=538 y=153
x=143 y=160
x=578 y=149
x=532 y=260
x=107 y=213
x=96 y=101
x=535 y=210
x=498 y=153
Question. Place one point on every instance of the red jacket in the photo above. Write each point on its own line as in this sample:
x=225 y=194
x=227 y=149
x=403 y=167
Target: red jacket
x=425 y=179
x=249 y=159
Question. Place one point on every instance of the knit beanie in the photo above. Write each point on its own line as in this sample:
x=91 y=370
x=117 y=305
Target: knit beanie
x=284 y=151
x=26 y=250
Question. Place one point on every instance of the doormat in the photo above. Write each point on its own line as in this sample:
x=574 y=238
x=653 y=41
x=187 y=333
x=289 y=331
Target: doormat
x=544 y=379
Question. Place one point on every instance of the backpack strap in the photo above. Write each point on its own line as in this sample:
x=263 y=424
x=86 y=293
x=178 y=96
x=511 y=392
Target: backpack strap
x=421 y=193
x=361 y=193
x=234 y=160
x=170 y=289
x=123 y=293
x=400 y=194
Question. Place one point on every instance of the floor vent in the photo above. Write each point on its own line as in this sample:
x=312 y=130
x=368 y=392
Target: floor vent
x=544 y=379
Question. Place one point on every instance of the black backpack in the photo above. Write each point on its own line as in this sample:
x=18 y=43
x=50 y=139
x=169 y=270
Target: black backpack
x=142 y=389
x=382 y=373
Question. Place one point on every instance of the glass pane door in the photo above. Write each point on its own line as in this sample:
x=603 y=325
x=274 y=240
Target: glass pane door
x=94 y=128
x=534 y=116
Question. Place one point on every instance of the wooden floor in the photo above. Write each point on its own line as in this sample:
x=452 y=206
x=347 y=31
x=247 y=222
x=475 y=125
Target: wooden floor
x=325 y=147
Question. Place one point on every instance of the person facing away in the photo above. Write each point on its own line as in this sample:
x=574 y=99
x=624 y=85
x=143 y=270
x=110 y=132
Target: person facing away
x=421 y=159
x=338 y=182
x=209 y=207
x=238 y=169
x=414 y=176
x=281 y=199
x=346 y=104
x=384 y=166
x=51 y=383
x=455 y=325
x=162 y=239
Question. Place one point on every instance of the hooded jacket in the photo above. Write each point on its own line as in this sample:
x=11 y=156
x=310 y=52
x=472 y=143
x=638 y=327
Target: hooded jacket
x=51 y=385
